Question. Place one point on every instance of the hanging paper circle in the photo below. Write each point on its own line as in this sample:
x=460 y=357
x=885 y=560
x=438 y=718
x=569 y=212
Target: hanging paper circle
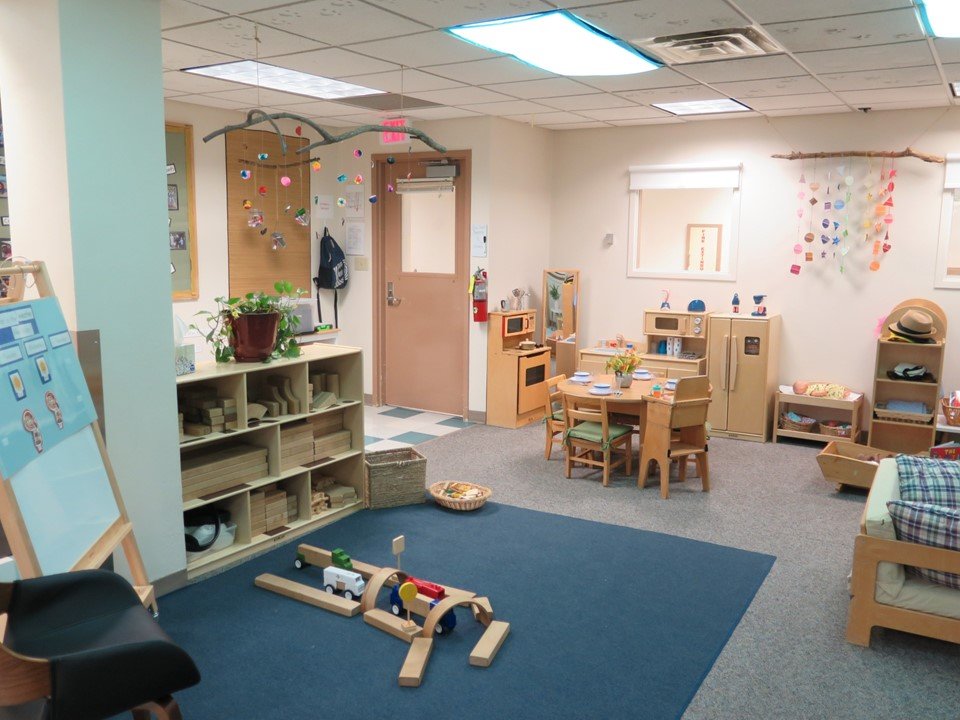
x=893 y=174
x=358 y=153
x=848 y=180
x=890 y=187
x=245 y=174
x=808 y=237
x=341 y=202
x=814 y=186
x=247 y=204
x=372 y=199
x=839 y=205
x=285 y=181
x=874 y=266
x=879 y=210
x=341 y=178
x=262 y=156
x=315 y=166
x=389 y=187
x=888 y=219
x=358 y=180
x=298 y=130
x=798 y=248
x=795 y=269
x=391 y=159
x=262 y=190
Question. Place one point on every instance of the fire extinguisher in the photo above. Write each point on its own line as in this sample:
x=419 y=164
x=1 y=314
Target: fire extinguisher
x=478 y=288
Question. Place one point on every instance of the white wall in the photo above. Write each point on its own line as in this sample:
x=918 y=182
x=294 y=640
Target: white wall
x=828 y=317
x=664 y=216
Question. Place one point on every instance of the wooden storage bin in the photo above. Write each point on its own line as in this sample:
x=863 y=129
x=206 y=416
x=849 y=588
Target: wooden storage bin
x=840 y=463
x=395 y=477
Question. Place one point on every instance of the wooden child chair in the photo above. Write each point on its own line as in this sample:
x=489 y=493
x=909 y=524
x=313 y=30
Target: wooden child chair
x=676 y=430
x=588 y=430
x=553 y=413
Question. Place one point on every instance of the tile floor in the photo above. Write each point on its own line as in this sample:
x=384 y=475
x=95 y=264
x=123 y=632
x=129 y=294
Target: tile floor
x=388 y=427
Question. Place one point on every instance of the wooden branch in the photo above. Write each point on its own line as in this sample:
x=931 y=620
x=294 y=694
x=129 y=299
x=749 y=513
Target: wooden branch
x=257 y=116
x=909 y=152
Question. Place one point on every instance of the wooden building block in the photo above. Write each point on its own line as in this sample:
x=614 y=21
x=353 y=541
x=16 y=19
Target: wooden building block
x=312 y=596
x=391 y=624
x=333 y=384
x=332 y=444
x=256 y=411
x=285 y=388
x=486 y=649
x=319 y=382
x=272 y=393
x=415 y=664
x=327 y=423
x=196 y=429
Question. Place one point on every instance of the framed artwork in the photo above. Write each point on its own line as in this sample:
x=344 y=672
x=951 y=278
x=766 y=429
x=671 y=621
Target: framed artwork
x=181 y=212
x=178 y=240
x=173 y=197
x=704 y=243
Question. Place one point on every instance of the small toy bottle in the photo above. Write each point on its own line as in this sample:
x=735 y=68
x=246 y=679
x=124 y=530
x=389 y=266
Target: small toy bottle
x=736 y=304
x=656 y=391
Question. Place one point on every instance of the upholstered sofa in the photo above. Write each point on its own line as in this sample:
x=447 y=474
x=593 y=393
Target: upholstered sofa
x=883 y=594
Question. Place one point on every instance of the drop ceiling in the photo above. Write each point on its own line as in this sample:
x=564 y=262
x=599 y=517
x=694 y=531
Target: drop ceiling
x=838 y=56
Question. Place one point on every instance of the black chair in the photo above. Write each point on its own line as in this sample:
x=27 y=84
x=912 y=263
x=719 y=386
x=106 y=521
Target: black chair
x=84 y=644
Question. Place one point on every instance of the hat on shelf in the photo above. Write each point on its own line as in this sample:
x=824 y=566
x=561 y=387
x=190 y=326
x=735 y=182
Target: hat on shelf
x=909 y=371
x=914 y=325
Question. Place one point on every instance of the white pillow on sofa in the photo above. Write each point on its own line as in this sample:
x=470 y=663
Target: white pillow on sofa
x=879 y=524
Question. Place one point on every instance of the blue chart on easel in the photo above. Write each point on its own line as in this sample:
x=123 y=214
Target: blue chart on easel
x=43 y=396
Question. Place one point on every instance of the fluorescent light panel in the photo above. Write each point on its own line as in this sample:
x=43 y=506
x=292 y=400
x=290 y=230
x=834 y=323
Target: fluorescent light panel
x=558 y=42
x=955 y=89
x=260 y=74
x=940 y=18
x=702 y=107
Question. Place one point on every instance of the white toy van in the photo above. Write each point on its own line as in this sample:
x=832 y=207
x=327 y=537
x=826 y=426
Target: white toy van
x=349 y=583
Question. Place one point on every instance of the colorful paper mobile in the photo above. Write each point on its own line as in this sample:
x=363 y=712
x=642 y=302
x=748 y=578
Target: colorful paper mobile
x=262 y=156
x=358 y=179
x=245 y=174
x=341 y=178
x=358 y=153
x=341 y=202
x=315 y=166
x=285 y=181
x=372 y=199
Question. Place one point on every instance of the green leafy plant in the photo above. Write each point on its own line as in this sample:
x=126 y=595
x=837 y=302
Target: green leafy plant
x=218 y=328
x=554 y=291
x=624 y=363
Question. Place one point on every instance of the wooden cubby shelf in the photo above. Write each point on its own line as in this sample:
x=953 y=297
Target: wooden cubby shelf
x=262 y=471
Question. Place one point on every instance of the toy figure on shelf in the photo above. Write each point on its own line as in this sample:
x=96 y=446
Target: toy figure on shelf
x=736 y=304
x=665 y=304
x=761 y=310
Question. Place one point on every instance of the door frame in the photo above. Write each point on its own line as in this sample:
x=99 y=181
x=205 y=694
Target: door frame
x=462 y=240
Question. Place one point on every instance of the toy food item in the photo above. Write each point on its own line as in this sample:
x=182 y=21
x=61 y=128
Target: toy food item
x=821 y=389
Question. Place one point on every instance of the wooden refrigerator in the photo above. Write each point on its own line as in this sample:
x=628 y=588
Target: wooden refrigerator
x=742 y=363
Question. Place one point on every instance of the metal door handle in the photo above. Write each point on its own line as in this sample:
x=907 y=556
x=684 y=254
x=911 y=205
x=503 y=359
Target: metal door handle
x=734 y=363
x=724 y=360
x=392 y=300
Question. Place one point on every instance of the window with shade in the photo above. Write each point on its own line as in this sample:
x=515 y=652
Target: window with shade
x=948 y=248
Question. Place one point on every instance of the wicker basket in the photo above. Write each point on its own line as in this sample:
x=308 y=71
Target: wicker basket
x=950 y=413
x=438 y=490
x=842 y=430
x=395 y=477
x=806 y=426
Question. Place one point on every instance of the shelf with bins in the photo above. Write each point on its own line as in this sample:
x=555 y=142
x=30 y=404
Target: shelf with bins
x=821 y=409
x=264 y=472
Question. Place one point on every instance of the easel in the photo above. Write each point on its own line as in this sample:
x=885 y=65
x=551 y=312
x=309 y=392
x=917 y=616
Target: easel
x=120 y=531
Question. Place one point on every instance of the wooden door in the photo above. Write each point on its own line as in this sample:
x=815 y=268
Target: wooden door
x=420 y=291
x=718 y=365
x=749 y=355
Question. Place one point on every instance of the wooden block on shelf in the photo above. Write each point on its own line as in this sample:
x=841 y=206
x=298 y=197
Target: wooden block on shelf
x=391 y=624
x=196 y=490
x=327 y=423
x=203 y=461
x=273 y=407
x=196 y=429
x=333 y=384
x=310 y=595
x=272 y=393
x=256 y=411
x=332 y=444
x=230 y=425
x=285 y=386
x=319 y=382
x=415 y=664
x=489 y=644
x=340 y=494
x=226 y=402
x=212 y=415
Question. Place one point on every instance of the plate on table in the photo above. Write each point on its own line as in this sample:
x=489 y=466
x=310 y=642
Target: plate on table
x=642 y=375
x=600 y=391
x=671 y=385
x=582 y=379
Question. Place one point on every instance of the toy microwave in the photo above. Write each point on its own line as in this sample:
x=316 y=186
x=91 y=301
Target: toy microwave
x=675 y=323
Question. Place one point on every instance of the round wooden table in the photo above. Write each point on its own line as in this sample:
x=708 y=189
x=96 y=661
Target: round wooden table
x=631 y=401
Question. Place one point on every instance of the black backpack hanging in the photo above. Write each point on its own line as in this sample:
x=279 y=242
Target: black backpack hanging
x=332 y=272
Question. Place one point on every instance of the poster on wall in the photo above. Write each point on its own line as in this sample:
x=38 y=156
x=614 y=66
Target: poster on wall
x=353 y=243
x=356 y=201
x=703 y=248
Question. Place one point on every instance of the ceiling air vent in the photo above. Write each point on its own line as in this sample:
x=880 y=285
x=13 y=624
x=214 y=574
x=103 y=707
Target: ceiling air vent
x=710 y=45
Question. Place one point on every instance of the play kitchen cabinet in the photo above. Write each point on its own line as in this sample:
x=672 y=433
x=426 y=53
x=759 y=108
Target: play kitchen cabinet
x=742 y=363
x=675 y=342
x=516 y=378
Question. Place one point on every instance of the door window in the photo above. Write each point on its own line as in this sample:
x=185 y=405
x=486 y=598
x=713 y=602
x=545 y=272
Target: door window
x=428 y=237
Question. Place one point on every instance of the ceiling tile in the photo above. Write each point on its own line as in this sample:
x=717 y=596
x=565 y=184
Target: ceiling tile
x=722 y=116
x=446 y=13
x=494 y=70
x=872 y=57
x=577 y=125
x=661 y=77
x=641 y=19
x=876 y=28
x=255 y=97
x=785 y=102
x=774 y=11
x=177 y=56
x=766 y=88
x=868 y=80
x=677 y=94
x=532 y=89
x=211 y=101
x=629 y=113
x=594 y=101
x=174 y=13
x=461 y=96
x=829 y=109
x=324 y=108
x=365 y=118
x=757 y=68
x=190 y=83
x=337 y=22
x=433 y=48
x=441 y=113
x=669 y=120
x=509 y=107
x=240 y=6
x=334 y=63
x=236 y=37
x=895 y=95
x=905 y=105
x=167 y=93
x=407 y=81
x=948 y=49
x=952 y=71
x=547 y=118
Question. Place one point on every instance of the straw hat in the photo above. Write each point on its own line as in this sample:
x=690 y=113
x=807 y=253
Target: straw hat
x=914 y=325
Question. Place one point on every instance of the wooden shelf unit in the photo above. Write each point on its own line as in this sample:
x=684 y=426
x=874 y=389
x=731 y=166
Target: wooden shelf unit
x=241 y=382
x=899 y=435
x=820 y=408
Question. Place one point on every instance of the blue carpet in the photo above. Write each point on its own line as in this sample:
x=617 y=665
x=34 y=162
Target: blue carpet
x=606 y=622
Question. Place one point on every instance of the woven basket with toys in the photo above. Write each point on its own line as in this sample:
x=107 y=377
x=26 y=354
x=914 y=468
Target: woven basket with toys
x=460 y=495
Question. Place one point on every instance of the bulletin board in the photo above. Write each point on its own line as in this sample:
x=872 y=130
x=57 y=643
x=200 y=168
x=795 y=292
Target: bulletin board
x=253 y=263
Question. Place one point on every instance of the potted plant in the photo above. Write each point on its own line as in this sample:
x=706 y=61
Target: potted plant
x=255 y=328
x=623 y=364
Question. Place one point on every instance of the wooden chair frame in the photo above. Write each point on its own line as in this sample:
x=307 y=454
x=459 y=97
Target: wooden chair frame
x=865 y=612
x=577 y=410
x=553 y=427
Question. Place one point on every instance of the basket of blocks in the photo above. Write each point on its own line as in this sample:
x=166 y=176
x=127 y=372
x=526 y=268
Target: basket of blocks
x=460 y=495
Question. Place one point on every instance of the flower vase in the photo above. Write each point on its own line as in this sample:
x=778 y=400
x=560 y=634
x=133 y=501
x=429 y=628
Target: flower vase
x=624 y=381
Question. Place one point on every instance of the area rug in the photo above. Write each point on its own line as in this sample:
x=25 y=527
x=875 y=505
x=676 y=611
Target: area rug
x=606 y=622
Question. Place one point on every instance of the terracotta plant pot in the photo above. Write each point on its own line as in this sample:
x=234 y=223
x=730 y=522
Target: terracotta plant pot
x=254 y=336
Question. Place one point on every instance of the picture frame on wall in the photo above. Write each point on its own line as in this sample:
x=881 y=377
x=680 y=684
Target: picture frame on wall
x=173 y=198
x=5 y=220
x=3 y=186
x=178 y=240
x=703 y=247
